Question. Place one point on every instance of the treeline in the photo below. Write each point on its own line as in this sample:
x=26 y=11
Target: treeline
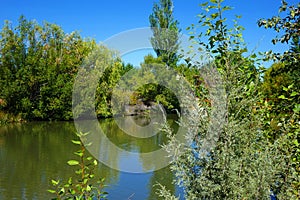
x=38 y=64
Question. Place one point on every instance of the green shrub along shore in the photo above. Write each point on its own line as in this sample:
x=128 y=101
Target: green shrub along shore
x=6 y=118
x=257 y=150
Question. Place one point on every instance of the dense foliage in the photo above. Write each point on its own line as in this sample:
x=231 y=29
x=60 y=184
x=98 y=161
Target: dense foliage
x=281 y=94
x=252 y=150
x=38 y=65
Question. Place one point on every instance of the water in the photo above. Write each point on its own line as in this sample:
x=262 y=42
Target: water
x=32 y=154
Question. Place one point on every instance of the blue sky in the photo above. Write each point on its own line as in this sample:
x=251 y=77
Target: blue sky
x=102 y=19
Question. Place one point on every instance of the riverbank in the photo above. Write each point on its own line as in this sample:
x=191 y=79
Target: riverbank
x=139 y=109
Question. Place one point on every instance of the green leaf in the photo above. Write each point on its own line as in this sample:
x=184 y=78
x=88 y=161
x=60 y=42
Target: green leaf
x=226 y=8
x=88 y=144
x=297 y=108
x=296 y=142
x=290 y=86
x=282 y=97
x=54 y=182
x=294 y=93
x=214 y=15
x=292 y=13
x=73 y=162
x=70 y=180
x=89 y=158
x=208 y=32
x=62 y=191
x=79 y=153
x=79 y=171
x=51 y=191
x=204 y=4
x=76 y=142
x=88 y=188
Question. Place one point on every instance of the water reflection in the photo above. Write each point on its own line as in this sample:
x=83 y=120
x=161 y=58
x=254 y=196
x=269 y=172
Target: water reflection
x=34 y=153
x=134 y=155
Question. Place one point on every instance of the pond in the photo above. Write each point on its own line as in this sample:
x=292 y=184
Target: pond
x=31 y=154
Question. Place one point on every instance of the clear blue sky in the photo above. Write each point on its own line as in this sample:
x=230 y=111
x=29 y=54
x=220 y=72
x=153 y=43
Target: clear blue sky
x=101 y=19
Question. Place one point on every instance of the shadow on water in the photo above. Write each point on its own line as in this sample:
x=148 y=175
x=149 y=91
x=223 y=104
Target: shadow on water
x=32 y=154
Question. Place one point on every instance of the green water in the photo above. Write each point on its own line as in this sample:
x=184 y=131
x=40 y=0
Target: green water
x=32 y=154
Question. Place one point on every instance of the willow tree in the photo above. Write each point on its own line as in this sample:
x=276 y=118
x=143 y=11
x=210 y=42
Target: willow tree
x=165 y=32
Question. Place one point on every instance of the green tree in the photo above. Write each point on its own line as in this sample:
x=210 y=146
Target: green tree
x=155 y=92
x=142 y=86
x=281 y=89
x=286 y=71
x=276 y=81
x=165 y=32
x=102 y=66
x=107 y=82
x=37 y=66
x=227 y=155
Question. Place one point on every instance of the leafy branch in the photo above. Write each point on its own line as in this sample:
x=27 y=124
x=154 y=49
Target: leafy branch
x=83 y=187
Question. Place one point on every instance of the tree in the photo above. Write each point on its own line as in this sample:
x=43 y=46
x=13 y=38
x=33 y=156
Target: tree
x=107 y=82
x=37 y=67
x=99 y=74
x=281 y=89
x=287 y=70
x=165 y=32
x=226 y=155
x=156 y=92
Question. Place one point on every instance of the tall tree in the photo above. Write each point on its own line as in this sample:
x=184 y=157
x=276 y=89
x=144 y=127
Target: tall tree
x=227 y=156
x=165 y=32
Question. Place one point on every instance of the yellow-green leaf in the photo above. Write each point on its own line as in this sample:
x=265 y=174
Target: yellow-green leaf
x=294 y=94
x=282 y=97
x=51 y=191
x=73 y=162
x=54 y=182
x=76 y=142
